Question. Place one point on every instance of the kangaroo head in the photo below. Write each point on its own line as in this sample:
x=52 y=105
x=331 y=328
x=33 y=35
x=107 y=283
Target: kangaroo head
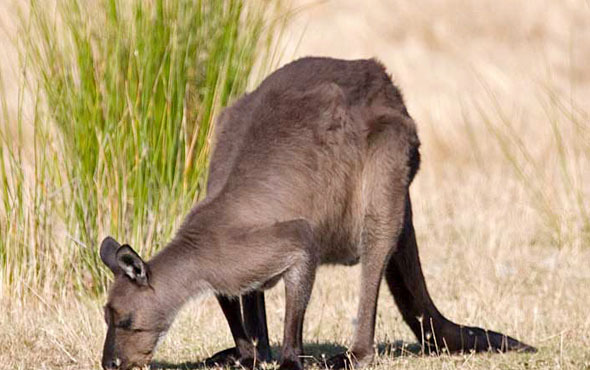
x=133 y=315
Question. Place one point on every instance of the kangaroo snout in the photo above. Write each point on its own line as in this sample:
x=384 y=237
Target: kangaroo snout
x=112 y=364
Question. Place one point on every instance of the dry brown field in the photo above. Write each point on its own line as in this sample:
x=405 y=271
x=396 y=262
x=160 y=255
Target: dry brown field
x=500 y=90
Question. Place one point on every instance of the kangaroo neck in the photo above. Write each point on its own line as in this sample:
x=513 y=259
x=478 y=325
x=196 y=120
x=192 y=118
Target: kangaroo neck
x=179 y=272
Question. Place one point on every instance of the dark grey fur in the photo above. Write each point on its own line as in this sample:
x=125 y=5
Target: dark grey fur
x=312 y=167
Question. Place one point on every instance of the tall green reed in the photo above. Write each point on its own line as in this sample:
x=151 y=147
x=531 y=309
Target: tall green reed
x=124 y=96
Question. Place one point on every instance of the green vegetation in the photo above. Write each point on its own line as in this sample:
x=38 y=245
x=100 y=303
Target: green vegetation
x=115 y=114
x=501 y=204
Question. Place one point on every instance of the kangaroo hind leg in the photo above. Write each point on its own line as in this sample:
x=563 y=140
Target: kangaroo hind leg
x=386 y=178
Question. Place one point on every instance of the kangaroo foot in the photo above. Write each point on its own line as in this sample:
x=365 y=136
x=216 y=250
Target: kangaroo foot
x=348 y=360
x=226 y=357
x=289 y=364
x=232 y=357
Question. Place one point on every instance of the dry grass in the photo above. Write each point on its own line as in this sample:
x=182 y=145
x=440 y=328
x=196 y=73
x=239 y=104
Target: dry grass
x=500 y=91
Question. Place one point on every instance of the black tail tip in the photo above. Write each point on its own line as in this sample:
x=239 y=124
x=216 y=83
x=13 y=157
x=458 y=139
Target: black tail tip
x=525 y=348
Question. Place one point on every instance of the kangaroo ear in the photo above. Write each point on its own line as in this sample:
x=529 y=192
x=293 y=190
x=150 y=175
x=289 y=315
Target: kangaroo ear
x=108 y=254
x=132 y=265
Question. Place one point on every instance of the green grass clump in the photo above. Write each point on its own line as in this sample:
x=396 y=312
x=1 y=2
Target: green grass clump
x=124 y=95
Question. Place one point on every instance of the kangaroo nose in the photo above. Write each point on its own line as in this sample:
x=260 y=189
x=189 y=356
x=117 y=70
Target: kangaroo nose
x=112 y=365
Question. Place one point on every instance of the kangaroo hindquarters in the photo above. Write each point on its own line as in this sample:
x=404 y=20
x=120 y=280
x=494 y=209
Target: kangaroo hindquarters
x=386 y=180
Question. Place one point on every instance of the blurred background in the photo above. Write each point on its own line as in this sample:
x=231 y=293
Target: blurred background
x=108 y=111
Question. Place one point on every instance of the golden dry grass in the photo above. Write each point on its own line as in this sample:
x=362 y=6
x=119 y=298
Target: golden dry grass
x=500 y=92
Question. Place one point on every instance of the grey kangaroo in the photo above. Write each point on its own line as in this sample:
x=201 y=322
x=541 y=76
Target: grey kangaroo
x=313 y=167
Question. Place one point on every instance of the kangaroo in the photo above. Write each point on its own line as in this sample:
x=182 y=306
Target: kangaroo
x=313 y=167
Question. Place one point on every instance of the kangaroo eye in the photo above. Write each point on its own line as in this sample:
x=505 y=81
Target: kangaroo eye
x=125 y=323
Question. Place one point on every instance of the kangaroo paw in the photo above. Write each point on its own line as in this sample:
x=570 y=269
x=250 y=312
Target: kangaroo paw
x=289 y=364
x=348 y=360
